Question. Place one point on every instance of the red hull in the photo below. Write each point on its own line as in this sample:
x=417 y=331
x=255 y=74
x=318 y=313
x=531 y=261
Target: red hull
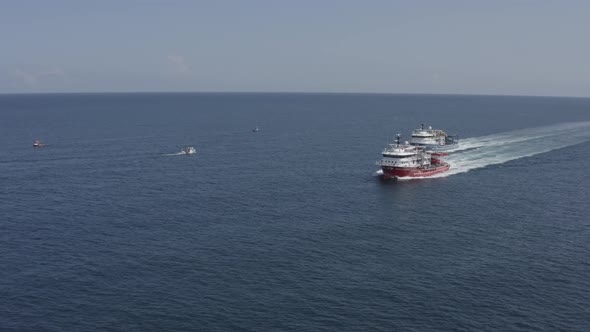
x=399 y=172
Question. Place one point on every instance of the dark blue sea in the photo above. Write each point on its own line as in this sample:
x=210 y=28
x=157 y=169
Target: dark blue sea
x=108 y=228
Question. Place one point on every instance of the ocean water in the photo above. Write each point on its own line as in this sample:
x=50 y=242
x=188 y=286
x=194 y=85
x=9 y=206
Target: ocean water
x=107 y=228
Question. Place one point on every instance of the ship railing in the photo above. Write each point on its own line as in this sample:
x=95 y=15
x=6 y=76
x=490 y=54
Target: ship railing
x=385 y=163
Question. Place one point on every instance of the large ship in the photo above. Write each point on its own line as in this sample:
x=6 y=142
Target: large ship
x=433 y=139
x=405 y=160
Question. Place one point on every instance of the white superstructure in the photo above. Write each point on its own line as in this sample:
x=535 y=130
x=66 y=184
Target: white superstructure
x=432 y=139
x=404 y=155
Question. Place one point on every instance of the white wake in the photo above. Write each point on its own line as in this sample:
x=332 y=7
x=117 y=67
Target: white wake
x=479 y=152
x=177 y=154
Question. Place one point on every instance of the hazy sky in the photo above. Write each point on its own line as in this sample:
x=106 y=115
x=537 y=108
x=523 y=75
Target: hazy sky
x=466 y=47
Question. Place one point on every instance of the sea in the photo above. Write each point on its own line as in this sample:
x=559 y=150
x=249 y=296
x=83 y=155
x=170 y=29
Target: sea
x=109 y=228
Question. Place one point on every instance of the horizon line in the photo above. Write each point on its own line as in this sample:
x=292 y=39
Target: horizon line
x=288 y=92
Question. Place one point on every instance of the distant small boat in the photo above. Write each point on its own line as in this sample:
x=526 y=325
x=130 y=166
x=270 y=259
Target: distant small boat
x=256 y=129
x=188 y=150
x=38 y=144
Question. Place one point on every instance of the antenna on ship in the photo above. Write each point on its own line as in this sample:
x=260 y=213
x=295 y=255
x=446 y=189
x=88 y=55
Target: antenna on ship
x=422 y=127
x=398 y=137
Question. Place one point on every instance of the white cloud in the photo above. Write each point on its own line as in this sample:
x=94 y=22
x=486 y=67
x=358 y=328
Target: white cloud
x=33 y=79
x=435 y=79
x=28 y=79
x=55 y=72
x=179 y=65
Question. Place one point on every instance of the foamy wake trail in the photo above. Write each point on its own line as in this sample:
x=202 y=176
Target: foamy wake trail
x=478 y=152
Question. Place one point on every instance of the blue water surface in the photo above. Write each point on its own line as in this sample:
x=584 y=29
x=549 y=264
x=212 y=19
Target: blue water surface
x=287 y=229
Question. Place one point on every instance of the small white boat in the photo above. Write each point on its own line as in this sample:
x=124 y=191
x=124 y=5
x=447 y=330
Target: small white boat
x=38 y=144
x=188 y=150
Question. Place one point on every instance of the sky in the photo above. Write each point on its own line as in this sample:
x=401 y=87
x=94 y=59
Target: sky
x=515 y=47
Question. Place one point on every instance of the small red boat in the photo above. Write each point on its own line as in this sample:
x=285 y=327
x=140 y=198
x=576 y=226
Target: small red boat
x=405 y=160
